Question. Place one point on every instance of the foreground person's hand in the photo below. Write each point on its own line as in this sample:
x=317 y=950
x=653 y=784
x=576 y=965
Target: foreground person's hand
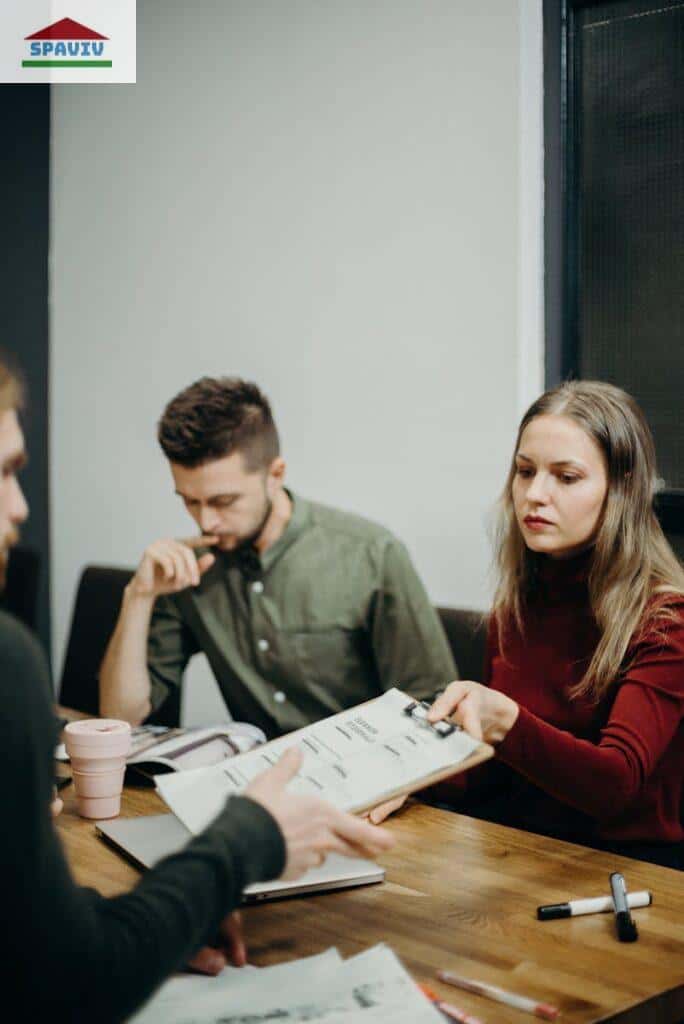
x=57 y=804
x=311 y=827
x=229 y=948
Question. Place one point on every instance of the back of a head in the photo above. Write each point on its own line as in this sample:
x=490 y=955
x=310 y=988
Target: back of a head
x=216 y=417
x=11 y=401
x=11 y=388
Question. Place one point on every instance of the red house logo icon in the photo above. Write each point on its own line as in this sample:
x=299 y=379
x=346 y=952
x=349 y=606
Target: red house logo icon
x=67 y=44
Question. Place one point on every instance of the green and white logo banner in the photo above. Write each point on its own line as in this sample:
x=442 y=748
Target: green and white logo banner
x=68 y=41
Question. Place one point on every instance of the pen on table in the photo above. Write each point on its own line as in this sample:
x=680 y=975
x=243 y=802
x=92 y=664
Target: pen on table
x=626 y=929
x=591 y=905
x=450 y=1012
x=500 y=995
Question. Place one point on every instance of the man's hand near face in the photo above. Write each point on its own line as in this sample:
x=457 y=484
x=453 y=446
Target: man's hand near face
x=166 y=567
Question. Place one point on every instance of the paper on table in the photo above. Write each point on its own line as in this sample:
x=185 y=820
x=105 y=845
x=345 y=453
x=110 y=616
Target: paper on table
x=354 y=760
x=381 y=988
x=198 y=997
x=370 y=987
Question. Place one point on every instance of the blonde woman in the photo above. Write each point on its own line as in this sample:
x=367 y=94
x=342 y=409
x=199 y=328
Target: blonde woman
x=583 y=694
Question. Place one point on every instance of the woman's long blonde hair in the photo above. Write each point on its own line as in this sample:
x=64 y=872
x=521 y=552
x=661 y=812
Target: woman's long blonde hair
x=632 y=561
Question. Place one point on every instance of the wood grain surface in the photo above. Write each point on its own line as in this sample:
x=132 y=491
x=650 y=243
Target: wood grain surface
x=462 y=894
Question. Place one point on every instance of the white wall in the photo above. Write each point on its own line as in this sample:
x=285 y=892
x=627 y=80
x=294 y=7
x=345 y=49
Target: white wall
x=324 y=196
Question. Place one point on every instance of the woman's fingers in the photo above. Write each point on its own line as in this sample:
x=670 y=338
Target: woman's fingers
x=361 y=833
x=382 y=811
x=448 y=701
x=468 y=715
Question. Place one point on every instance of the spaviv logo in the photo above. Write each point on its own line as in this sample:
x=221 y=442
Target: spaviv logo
x=67 y=44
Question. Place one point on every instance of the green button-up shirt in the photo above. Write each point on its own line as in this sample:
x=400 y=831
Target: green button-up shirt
x=337 y=615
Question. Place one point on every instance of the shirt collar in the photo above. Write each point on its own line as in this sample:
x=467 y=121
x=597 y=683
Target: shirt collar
x=562 y=578
x=297 y=524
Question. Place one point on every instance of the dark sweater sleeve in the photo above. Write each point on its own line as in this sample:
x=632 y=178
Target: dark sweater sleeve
x=67 y=950
x=601 y=779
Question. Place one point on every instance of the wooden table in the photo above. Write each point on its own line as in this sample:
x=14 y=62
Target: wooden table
x=462 y=894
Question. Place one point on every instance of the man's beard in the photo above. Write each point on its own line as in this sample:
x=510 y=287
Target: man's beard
x=255 y=534
x=248 y=540
x=9 y=540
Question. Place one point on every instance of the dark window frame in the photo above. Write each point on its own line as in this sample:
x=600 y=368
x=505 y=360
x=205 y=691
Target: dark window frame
x=561 y=279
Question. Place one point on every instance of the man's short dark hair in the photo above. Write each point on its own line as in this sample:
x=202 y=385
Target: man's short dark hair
x=215 y=417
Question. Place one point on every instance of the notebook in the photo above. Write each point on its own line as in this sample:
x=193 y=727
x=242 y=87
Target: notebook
x=148 y=839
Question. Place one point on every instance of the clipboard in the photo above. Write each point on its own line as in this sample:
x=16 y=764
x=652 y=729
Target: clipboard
x=356 y=759
x=417 y=711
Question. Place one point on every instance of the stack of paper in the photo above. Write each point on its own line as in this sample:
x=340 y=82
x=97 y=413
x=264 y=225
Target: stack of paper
x=370 y=988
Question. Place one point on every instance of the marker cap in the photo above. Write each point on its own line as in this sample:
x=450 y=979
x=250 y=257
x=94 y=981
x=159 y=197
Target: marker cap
x=553 y=911
x=626 y=929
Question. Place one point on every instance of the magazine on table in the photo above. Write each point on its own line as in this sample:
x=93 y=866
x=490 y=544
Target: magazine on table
x=157 y=749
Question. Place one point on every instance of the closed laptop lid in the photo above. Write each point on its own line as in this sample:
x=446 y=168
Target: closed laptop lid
x=146 y=840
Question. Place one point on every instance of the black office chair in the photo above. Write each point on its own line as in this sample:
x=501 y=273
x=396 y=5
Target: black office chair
x=466 y=632
x=96 y=609
x=20 y=596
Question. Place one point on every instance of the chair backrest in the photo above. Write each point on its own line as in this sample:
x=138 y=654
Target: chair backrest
x=466 y=631
x=20 y=595
x=96 y=609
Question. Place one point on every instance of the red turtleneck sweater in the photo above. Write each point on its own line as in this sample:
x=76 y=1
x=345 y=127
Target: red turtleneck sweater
x=612 y=771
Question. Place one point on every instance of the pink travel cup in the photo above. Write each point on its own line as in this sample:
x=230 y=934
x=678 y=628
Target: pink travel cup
x=97 y=749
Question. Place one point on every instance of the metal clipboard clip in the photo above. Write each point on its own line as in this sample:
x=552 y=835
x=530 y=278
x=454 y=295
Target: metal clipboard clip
x=418 y=709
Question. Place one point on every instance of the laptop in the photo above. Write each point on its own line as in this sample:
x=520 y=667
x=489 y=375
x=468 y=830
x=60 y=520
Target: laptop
x=146 y=840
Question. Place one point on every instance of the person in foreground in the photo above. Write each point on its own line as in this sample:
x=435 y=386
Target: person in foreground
x=302 y=610
x=584 y=680
x=68 y=954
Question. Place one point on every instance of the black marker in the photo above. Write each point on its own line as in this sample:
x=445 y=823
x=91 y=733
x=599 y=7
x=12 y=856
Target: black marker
x=626 y=929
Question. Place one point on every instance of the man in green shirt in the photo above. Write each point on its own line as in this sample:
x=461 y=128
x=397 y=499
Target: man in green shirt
x=302 y=610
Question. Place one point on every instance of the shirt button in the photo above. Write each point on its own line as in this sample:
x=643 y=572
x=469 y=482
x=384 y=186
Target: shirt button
x=258 y=587
x=279 y=697
x=263 y=645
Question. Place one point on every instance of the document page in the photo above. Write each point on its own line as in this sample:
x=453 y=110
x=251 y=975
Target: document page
x=195 y=997
x=355 y=760
x=368 y=988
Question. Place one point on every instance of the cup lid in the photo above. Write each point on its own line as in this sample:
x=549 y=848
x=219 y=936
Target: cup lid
x=101 y=732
